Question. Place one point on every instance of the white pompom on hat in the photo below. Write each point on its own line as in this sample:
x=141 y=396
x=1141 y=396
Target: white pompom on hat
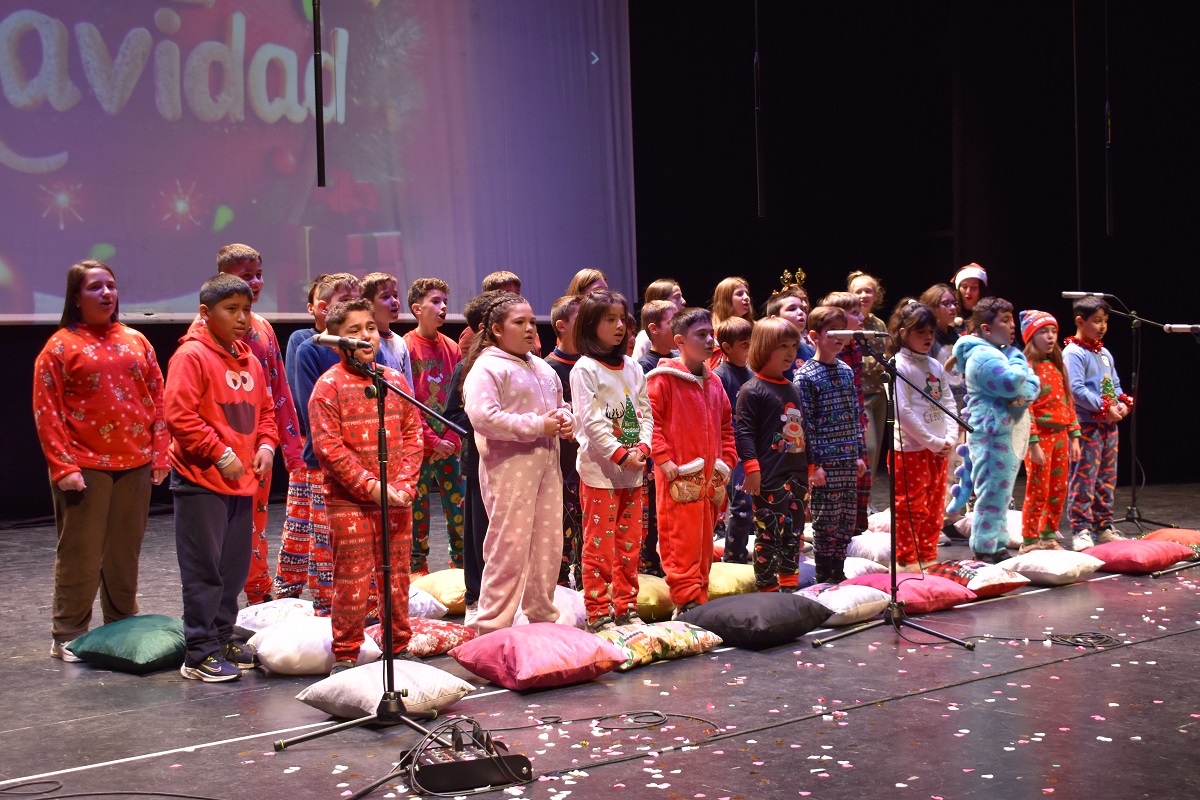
x=971 y=270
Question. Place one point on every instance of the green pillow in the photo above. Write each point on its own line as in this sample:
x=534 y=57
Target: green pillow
x=135 y=644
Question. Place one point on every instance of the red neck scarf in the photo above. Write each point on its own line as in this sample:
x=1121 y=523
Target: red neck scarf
x=1086 y=344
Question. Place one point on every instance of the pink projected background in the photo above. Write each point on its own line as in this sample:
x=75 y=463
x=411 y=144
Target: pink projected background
x=460 y=138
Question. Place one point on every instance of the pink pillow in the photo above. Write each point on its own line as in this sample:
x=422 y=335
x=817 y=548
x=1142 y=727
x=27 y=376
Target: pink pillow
x=430 y=637
x=919 y=595
x=538 y=656
x=1138 y=556
x=1181 y=535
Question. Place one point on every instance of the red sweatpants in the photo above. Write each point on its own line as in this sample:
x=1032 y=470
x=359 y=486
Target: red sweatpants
x=612 y=546
x=684 y=542
x=258 y=582
x=357 y=558
x=1046 y=487
x=920 y=490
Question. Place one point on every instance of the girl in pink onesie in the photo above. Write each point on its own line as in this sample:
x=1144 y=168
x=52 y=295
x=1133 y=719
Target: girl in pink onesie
x=515 y=403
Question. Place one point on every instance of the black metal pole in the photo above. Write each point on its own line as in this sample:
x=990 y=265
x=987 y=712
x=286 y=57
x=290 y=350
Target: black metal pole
x=318 y=92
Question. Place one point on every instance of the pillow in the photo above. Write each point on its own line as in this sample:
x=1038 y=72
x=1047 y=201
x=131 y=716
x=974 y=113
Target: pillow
x=538 y=656
x=726 y=579
x=880 y=521
x=759 y=620
x=985 y=580
x=356 y=692
x=1181 y=535
x=570 y=607
x=1015 y=538
x=430 y=637
x=423 y=604
x=919 y=595
x=847 y=603
x=873 y=545
x=1138 y=556
x=654 y=598
x=807 y=575
x=134 y=644
x=635 y=641
x=862 y=566
x=448 y=587
x=1053 y=567
x=679 y=639
x=252 y=619
x=304 y=646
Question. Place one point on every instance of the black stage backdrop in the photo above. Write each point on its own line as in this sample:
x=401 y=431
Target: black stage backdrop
x=908 y=139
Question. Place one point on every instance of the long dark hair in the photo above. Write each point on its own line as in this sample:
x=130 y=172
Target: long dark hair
x=497 y=306
x=592 y=308
x=71 y=315
x=910 y=315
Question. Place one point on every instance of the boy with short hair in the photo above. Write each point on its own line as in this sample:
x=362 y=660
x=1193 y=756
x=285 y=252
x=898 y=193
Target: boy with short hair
x=1000 y=387
x=835 y=448
x=792 y=304
x=1100 y=404
x=499 y=281
x=694 y=454
x=223 y=441
x=733 y=337
x=434 y=357
x=562 y=317
x=343 y=425
x=656 y=322
x=379 y=289
x=243 y=261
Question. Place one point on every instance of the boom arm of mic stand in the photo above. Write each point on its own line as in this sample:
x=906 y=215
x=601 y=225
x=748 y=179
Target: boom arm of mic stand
x=366 y=371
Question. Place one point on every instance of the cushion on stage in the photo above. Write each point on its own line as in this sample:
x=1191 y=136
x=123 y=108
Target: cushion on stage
x=570 y=608
x=985 y=580
x=134 y=644
x=654 y=598
x=873 y=545
x=848 y=604
x=1053 y=567
x=643 y=644
x=252 y=619
x=855 y=566
x=728 y=579
x=430 y=637
x=635 y=641
x=447 y=586
x=356 y=693
x=304 y=646
x=422 y=604
x=1183 y=536
x=758 y=620
x=538 y=656
x=920 y=595
x=1138 y=556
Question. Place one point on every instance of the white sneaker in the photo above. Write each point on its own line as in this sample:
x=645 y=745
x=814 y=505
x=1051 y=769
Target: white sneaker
x=1109 y=534
x=472 y=613
x=1082 y=541
x=62 y=651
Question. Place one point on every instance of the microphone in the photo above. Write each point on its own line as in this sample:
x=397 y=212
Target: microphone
x=1192 y=329
x=341 y=342
x=860 y=335
x=1077 y=295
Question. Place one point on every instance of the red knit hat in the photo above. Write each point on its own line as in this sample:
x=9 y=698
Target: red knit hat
x=1032 y=321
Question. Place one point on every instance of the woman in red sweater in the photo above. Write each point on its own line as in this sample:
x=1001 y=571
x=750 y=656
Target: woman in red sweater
x=98 y=408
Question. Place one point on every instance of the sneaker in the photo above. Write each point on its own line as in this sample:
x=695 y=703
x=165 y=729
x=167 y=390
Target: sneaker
x=240 y=654
x=472 y=613
x=1109 y=534
x=1082 y=541
x=683 y=609
x=991 y=558
x=631 y=618
x=604 y=623
x=62 y=651
x=341 y=666
x=1050 y=544
x=212 y=669
x=405 y=655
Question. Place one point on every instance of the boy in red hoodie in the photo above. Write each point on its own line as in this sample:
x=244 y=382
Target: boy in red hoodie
x=221 y=417
x=694 y=452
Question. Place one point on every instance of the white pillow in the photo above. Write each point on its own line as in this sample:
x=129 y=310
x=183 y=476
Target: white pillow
x=880 y=521
x=861 y=566
x=422 y=604
x=356 y=692
x=1052 y=567
x=963 y=526
x=570 y=607
x=848 y=602
x=252 y=619
x=304 y=646
x=873 y=545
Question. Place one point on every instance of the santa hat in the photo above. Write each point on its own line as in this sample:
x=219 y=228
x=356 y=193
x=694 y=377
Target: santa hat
x=971 y=270
x=1032 y=321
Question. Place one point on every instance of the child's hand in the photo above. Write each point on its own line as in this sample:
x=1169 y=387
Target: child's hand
x=634 y=462
x=72 y=483
x=157 y=476
x=399 y=498
x=860 y=467
x=1124 y=410
x=233 y=470
x=551 y=423
x=948 y=446
x=1036 y=455
x=1114 y=412
x=817 y=478
x=567 y=423
x=443 y=449
x=669 y=470
x=752 y=483
x=263 y=459
x=1075 y=452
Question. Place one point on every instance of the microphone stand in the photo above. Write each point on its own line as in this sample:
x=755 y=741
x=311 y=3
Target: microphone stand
x=894 y=615
x=1132 y=512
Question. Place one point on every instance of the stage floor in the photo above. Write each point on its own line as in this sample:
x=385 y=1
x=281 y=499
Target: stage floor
x=872 y=715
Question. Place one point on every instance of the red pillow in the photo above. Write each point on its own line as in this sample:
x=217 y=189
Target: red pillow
x=985 y=580
x=1181 y=535
x=430 y=637
x=919 y=595
x=538 y=656
x=1139 y=556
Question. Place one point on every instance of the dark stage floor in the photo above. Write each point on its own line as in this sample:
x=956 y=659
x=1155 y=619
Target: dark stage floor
x=870 y=716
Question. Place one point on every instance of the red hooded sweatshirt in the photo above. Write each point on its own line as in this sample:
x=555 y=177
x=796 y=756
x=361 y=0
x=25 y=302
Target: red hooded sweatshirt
x=216 y=400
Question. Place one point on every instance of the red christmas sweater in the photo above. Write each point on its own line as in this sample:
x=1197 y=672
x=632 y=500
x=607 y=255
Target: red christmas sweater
x=692 y=418
x=433 y=361
x=1051 y=411
x=98 y=401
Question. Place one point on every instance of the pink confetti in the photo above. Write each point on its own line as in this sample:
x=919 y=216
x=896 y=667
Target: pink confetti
x=1047 y=790
x=1098 y=718
x=1064 y=729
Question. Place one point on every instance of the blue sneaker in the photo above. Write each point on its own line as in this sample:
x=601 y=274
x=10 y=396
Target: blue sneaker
x=213 y=669
x=240 y=654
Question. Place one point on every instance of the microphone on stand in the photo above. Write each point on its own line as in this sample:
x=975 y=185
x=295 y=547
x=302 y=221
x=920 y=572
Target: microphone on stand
x=861 y=335
x=1077 y=295
x=341 y=342
x=1192 y=329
